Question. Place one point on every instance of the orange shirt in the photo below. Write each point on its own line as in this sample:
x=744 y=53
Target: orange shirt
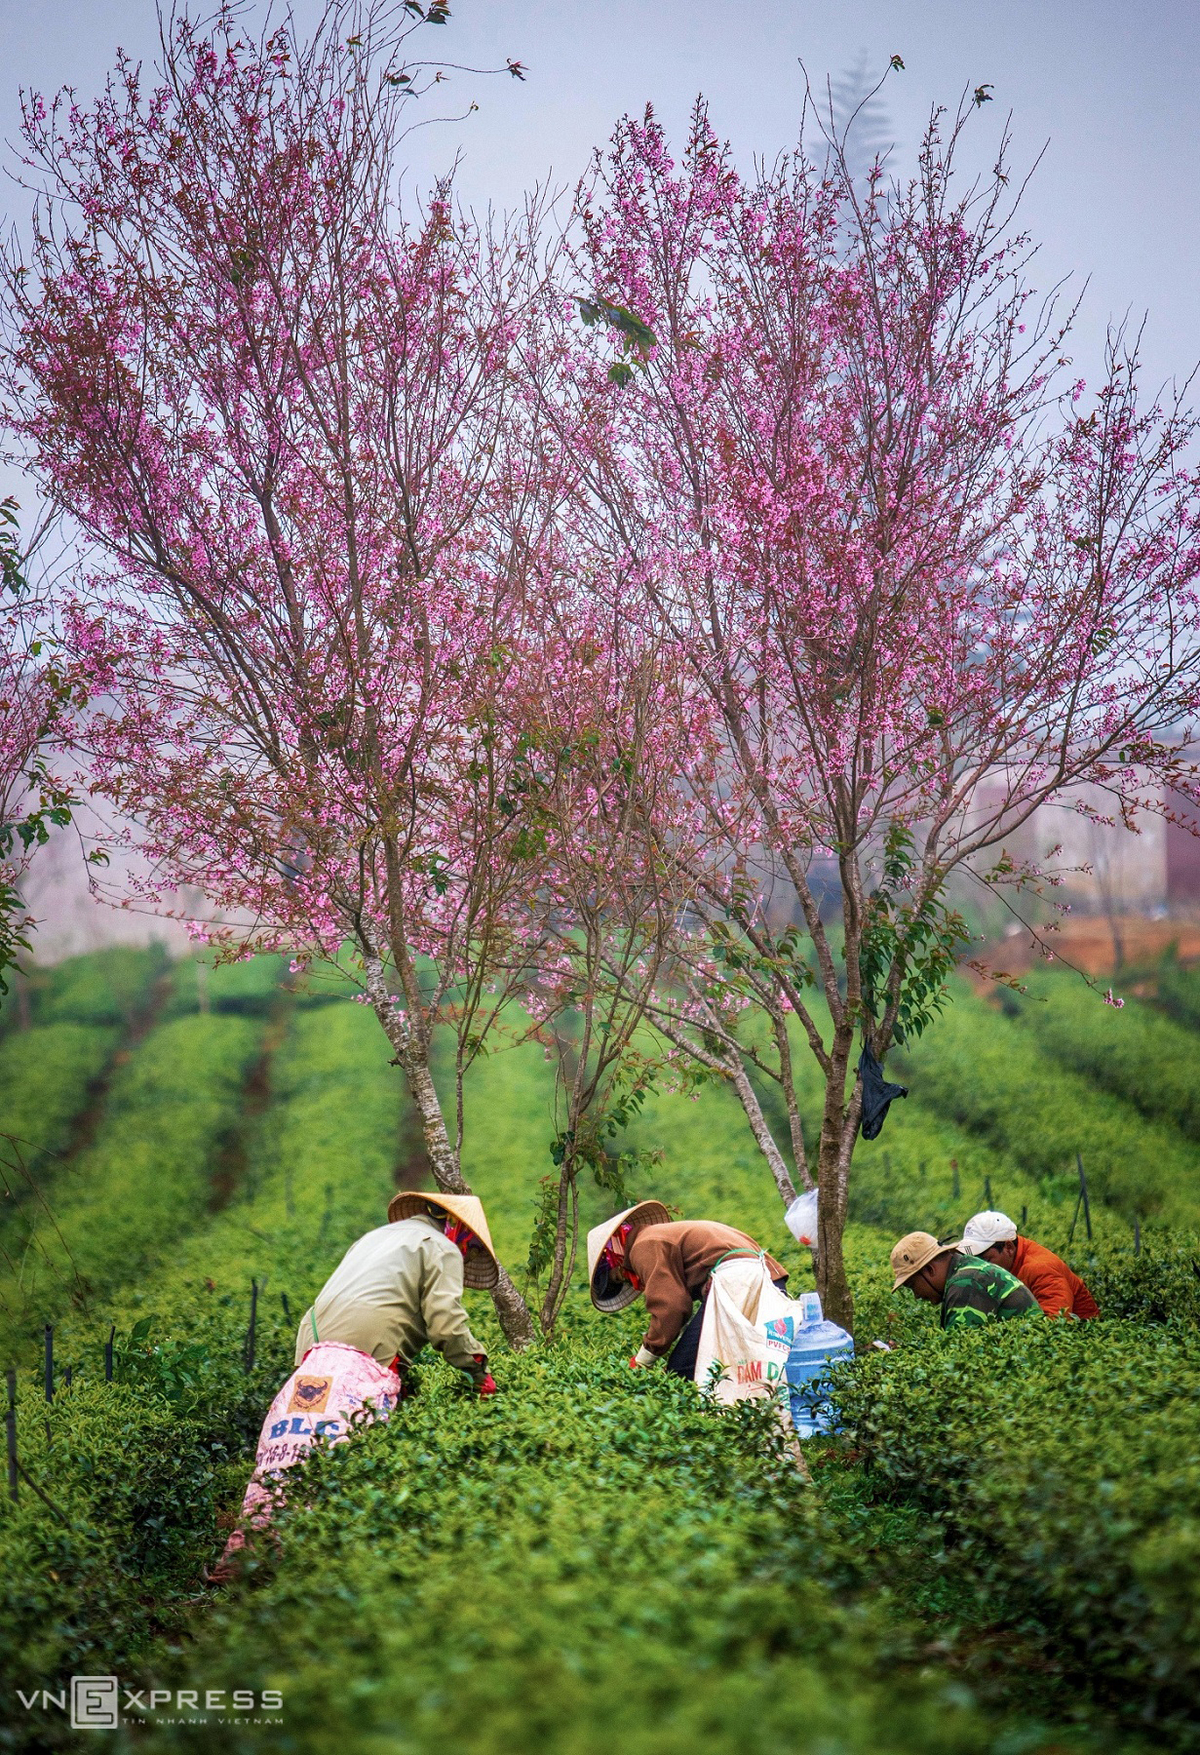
x=1051 y=1281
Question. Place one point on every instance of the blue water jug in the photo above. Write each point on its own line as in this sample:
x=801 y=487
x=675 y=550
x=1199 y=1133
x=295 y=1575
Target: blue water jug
x=815 y=1347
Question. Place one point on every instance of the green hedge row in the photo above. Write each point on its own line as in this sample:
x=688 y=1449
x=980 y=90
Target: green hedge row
x=47 y=1077
x=592 y=1561
x=1062 y=1462
x=1148 y=1059
x=89 y=1579
x=198 y=984
x=988 y=1073
x=116 y=987
x=150 y=1469
x=319 y=1171
x=1177 y=992
x=149 y=1174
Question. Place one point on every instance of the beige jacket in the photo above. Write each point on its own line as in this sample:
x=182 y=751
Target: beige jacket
x=394 y=1290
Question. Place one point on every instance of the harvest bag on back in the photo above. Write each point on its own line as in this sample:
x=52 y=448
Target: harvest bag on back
x=335 y=1389
x=746 y=1336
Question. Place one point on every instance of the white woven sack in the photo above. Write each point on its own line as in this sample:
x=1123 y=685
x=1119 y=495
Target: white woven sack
x=746 y=1335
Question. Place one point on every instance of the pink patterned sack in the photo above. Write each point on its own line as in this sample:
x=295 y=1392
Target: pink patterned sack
x=334 y=1389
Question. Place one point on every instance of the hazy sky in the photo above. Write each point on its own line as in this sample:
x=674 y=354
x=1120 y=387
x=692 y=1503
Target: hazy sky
x=1108 y=86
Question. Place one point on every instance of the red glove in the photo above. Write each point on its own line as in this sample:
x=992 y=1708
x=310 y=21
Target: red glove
x=487 y=1383
x=633 y=1365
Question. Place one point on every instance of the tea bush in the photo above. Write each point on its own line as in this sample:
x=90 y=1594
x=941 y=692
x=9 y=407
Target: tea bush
x=1161 y=1284
x=251 y=987
x=147 y=1177
x=320 y=1169
x=112 y=987
x=990 y=1075
x=595 y=1558
x=591 y=1561
x=318 y=1175
x=85 y=1586
x=47 y=1078
x=1150 y=1060
x=1063 y=1462
x=1177 y=992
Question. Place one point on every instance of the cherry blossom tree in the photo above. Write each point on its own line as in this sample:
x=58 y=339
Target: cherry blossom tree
x=613 y=728
x=921 y=585
x=284 y=418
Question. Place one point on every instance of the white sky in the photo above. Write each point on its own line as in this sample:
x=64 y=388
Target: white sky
x=1109 y=84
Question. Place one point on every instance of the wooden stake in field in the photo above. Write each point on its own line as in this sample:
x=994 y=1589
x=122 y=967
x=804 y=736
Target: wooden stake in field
x=1081 y=1201
x=251 y=1331
x=10 y=1432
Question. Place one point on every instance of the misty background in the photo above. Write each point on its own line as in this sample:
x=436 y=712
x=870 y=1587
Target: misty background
x=1108 y=89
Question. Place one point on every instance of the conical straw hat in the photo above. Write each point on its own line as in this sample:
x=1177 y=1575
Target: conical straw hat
x=646 y=1212
x=480 y=1271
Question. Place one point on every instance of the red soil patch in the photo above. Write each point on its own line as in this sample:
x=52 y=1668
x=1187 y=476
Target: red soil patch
x=1088 y=945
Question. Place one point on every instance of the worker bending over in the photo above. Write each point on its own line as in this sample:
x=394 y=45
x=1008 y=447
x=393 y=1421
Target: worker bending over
x=993 y=1237
x=401 y=1286
x=395 y=1290
x=969 y=1292
x=669 y=1263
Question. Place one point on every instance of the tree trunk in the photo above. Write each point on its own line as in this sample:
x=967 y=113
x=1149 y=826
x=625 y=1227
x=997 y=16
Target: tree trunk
x=511 y=1309
x=788 y=1081
x=567 y=1220
x=839 y=1132
x=765 y=1139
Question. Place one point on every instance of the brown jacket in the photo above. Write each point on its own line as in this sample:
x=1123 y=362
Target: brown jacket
x=1051 y=1281
x=675 y=1262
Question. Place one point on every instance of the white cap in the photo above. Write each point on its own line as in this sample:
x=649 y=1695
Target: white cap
x=986 y=1229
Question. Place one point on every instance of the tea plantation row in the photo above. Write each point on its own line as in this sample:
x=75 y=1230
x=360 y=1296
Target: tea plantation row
x=594 y=1557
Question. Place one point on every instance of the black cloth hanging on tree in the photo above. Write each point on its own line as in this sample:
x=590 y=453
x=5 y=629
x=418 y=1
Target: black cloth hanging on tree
x=877 y=1094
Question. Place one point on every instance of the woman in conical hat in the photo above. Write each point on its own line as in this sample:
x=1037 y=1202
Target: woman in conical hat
x=642 y=1251
x=612 y=1285
x=395 y=1290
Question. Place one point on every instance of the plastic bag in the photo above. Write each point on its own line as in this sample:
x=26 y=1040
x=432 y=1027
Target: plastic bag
x=334 y=1389
x=801 y=1218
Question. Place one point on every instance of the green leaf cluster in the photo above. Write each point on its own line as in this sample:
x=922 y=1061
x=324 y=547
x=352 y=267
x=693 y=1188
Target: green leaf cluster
x=1062 y=1463
x=635 y=338
x=908 y=948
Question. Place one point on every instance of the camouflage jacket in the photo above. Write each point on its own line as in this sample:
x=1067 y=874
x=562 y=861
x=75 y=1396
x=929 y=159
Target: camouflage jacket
x=981 y=1291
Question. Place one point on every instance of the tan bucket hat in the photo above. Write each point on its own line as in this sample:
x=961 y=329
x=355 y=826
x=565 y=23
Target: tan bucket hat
x=914 y=1252
x=646 y=1212
x=480 y=1271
